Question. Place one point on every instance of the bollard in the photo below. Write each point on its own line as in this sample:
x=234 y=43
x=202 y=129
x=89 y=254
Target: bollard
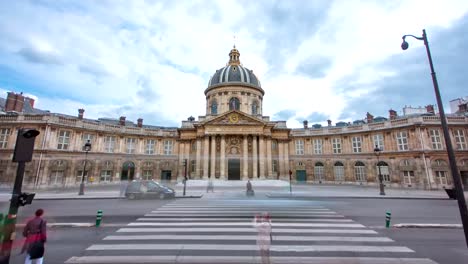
x=98 y=218
x=388 y=217
x=1 y=226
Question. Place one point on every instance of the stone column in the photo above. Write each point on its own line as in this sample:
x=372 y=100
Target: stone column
x=261 y=156
x=198 y=163
x=245 y=160
x=223 y=159
x=206 y=153
x=213 y=157
x=188 y=146
x=280 y=159
x=269 y=160
x=254 y=157
x=286 y=159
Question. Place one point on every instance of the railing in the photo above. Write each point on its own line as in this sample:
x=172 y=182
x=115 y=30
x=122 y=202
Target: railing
x=33 y=117
x=8 y=117
x=398 y=122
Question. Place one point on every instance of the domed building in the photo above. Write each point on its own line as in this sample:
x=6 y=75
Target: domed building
x=234 y=140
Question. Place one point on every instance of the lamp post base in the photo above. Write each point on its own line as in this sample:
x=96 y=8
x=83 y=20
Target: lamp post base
x=81 y=189
x=382 y=190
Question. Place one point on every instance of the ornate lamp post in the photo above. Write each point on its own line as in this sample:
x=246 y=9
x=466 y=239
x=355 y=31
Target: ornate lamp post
x=377 y=151
x=448 y=142
x=87 y=148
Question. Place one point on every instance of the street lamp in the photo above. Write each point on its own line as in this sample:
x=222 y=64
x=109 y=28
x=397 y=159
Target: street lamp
x=87 y=148
x=377 y=151
x=448 y=142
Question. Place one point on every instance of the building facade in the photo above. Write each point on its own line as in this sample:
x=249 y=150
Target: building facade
x=233 y=141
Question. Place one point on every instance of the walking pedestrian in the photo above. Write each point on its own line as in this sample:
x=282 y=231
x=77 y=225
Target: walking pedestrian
x=36 y=236
x=210 y=186
x=123 y=187
x=264 y=238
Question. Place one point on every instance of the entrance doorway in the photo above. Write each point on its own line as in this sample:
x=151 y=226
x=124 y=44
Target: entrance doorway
x=464 y=179
x=166 y=175
x=300 y=175
x=128 y=171
x=234 y=169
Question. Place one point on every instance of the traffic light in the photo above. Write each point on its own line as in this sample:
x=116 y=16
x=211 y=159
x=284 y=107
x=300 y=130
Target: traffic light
x=25 y=198
x=24 y=145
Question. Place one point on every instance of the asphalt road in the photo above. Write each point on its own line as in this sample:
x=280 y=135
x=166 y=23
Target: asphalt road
x=440 y=245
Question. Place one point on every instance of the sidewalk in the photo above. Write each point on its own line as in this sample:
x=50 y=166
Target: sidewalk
x=267 y=188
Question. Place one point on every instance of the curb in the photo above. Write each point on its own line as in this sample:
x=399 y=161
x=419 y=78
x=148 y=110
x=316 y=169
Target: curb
x=451 y=226
x=356 y=197
x=101 y=198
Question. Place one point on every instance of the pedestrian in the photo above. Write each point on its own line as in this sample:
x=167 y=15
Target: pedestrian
x=210 y=186
x=36 y=236
x=250 y=191
x=123 y=187
x=264 y=238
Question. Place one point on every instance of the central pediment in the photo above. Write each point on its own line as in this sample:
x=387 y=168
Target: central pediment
x=233 y=118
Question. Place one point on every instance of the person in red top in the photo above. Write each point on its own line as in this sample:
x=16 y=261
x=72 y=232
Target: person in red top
x=34 y=231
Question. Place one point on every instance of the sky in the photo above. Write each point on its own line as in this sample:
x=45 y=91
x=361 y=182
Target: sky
x=316 y=60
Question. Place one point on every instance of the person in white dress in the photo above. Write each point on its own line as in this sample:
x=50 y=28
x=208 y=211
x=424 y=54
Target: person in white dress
x=264 y=238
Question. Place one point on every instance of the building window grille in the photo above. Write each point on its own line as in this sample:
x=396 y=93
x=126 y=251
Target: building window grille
x=360 y=171
x=150 y=146
x=300 y=147
x=63 y=140
x=317 y=146
x=339 y=171
x=460 y=139
x=402 y=140
x=131 y=145
x=336 y=145
x=357 y=144
x=435 y=139
x=4 y=135
x=378 y=141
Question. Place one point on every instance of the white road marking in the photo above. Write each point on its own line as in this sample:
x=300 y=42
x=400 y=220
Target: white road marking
x=243 y=260
x=209 y=220
x=273 y=248
x=247 y=237
x=239 y=214
x=224 y=230
x=249 y=224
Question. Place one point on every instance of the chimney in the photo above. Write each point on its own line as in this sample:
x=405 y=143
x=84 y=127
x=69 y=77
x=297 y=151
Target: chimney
x=122 y=121
x=80 y=113
x=10 y=102
x=329 y=122
x=31 y=101
x=140 y=122
x=369 y=117
x=430 y=109
x=392 y=114
x=305 y=122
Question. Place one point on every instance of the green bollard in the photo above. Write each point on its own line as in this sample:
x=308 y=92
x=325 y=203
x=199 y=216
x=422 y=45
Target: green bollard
x=388 y=217
x=1 y=226
x=98 y=218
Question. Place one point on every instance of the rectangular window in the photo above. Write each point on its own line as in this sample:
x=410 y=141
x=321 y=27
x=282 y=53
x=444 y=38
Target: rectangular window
x=385 y=173
x=147 y=175
x=408 y=177
x=357 y=144
x=131 y=145
x=275 y=166
x=378 y=141
x=4 y=135
x=441 y=177
x=85 y=137
x=109 y=144
x=80 y=174
x=435 y=139
x=56 y=177
x=339 y=173
x=336 y=145
x=317 y=146
x=300 y=147
x=193 y=166
x=319 y=173
x=402 y=140
x=63 y=140
x=106 y=175
x=459 y=139
x=167 y=147
x=360 y=172
x=150 y=146
x=274 y=145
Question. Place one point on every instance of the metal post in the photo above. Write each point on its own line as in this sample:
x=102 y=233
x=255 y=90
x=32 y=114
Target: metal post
x=290 y=188
x=10 y=219
x=185 y=175
x=83 y=176
x=448 y=143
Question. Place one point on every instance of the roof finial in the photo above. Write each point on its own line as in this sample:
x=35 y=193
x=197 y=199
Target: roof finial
x=234 y=46
x=234 y=56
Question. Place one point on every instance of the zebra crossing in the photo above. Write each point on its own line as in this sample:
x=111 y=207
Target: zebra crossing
x=222 y=232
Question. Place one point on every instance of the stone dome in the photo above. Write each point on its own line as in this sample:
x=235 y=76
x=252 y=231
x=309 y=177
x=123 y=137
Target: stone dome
x=234 y=72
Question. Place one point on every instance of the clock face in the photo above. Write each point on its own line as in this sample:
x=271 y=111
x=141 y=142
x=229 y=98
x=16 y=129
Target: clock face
x=233 y=118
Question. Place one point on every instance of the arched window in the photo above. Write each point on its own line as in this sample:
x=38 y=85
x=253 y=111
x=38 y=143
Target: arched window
x=214 y=107
x=339 y=171
x=234 y=104
x=384 y=171
x=360 y=171
x=254 y=108
x=319 y=172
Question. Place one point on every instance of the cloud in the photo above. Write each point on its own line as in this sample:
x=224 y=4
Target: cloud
x=314 y=67
x=285 y=114
x=40 y=57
